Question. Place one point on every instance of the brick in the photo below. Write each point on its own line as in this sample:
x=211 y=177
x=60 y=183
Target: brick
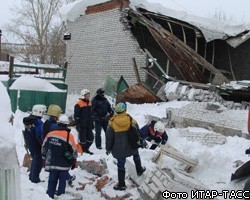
x=156 y=181
x=153 y=187
x=145 y=188
x=152 y=195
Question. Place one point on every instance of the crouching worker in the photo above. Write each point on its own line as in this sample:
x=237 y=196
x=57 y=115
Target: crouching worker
x=118 y=144
x=154 y=132
x=59 y=154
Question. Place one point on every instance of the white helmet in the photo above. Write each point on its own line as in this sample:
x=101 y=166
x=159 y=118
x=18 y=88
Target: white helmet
x=84 y=92
x=63 y=119
x=159 y=127
x=38 y=110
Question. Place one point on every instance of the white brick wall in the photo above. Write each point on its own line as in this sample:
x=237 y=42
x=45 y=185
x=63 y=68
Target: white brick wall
x=100 y=46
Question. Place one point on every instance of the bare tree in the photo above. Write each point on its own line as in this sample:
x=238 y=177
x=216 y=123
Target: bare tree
x=222 y=16
x=34 y=22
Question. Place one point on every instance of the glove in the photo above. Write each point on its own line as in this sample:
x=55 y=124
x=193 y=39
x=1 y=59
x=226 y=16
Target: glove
x=43 y=163
x=74 y=165
x=78 y=128
x=247 y=151
x=144 y=144
x=163 y=142
x=107 y=117
x=108 y=152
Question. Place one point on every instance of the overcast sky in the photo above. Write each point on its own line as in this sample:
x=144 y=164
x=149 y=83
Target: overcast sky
x=239 y=10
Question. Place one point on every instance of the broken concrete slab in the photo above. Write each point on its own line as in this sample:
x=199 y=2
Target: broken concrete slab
x=154 y=183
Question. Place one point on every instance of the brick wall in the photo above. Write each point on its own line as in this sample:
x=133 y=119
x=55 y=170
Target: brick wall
x=110 y=5
x=100 y=46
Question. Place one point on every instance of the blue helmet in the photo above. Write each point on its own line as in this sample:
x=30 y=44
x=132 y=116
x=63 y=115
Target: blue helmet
x=120 y=107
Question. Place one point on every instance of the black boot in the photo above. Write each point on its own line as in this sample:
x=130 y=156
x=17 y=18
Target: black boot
x=139 y=169
x=121 y=178
x=153 y=146
x=89 y=152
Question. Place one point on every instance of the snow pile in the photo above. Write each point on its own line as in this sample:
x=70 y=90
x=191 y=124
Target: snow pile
x=7 y=145
x=237 y=85
x=32 y=83
x=4 y=66
x=72 y=11
x=9 y=170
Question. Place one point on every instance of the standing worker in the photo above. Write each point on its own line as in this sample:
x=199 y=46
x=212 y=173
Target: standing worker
x=54 y=111
x=84 y=120
x=33 y=135
x=118 y=144
x=102 y=111
x=59 y=152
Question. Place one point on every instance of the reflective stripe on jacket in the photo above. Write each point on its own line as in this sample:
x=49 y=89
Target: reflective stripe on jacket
x=54 y=147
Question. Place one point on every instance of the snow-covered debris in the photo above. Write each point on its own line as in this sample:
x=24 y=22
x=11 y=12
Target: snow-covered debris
x=32 y=83
x=237 y=85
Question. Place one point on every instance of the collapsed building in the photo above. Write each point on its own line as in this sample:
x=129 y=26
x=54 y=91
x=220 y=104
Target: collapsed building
x=166 y=44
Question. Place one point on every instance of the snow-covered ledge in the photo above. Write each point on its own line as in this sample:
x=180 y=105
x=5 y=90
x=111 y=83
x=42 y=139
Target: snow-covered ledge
x=9 y=168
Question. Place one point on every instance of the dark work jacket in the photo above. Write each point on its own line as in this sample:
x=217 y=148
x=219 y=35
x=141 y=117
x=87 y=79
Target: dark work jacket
x=101 y=107
x=83 y=114
x=33 y=133
x=49 y=125
x=54 y=147
x=116 y=136
x=148 y=133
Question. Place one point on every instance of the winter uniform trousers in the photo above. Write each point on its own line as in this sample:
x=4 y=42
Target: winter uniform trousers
x=36 y=167
x=86 y=137
x=99 y=124
x=54 y=177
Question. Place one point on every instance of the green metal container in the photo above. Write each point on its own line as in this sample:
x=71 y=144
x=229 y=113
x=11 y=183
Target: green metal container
x=25 y=99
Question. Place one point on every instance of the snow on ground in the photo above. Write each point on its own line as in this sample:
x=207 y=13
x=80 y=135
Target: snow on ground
x=214 y=170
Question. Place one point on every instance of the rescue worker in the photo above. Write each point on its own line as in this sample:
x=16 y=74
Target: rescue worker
x=102 y=112
x=118 y=144
x=84 y=120
x=33 y=135
x=154 y=132
x=54 y=111
x=59 y=152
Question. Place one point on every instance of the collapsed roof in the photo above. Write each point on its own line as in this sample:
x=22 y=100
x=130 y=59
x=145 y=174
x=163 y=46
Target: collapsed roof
x=233 y=34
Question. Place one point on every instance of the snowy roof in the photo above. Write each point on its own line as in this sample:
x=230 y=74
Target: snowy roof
x=72 y=11
x=212 y=29
x=38 y=84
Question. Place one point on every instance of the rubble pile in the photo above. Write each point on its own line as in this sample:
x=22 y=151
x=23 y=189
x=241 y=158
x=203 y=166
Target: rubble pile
x=177 y=91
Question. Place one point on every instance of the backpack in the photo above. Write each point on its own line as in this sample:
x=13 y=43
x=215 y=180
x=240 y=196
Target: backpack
x=134 y=137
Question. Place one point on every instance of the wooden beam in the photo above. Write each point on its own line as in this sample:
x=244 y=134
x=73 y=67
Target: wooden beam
x=136 y=70
x=184 y=35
